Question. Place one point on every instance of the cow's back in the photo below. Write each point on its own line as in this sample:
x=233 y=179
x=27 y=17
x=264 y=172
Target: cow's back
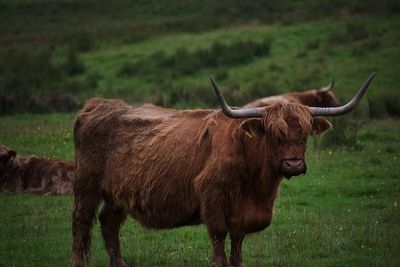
x=103 y=126
x=269 y=101
x=93 y=127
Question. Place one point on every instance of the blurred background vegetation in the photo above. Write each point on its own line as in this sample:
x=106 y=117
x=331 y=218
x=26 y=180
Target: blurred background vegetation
x=56 y=54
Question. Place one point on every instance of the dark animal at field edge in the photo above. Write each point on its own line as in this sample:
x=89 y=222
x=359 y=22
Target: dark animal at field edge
x=322 y=97
x=34 y=175
x=169 y=168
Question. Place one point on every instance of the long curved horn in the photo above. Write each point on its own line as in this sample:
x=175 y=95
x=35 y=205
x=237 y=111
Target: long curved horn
x=328 y=87
x=336 y=111
x=235 y=113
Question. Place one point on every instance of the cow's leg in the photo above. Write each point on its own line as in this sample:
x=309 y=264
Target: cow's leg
x=85 y=205
x=218 y=242
x=111 y=219
x=236 y=259
x=213 y=207
x=214 y=218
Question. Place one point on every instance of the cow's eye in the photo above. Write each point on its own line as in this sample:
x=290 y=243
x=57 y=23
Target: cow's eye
x=280 y=141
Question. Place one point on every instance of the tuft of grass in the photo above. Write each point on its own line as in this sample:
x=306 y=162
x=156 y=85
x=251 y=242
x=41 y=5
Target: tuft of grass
x=354 y=31
x=73 y=65
x=313 y=44
x=343 y=133
x=384 y=104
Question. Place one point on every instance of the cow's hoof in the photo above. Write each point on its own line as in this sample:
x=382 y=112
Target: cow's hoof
x=218 y=264
x=119 y=263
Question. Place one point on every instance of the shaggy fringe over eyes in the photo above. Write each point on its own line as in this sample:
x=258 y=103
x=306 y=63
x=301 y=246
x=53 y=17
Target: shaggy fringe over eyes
x=275 y=119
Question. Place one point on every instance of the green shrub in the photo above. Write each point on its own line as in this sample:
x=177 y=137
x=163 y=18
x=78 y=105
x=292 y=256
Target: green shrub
x=263 y=48
x=184 y=62
x=92 y=80
x=384 y=104
x=313 y=44
x=261 y=88
x=392 y=104
x=73 y=65
x=82 y=42
x=221 y=73
x=343 y=133
x=301 y=54
x=273 y=66
x=38 y=104
x=337 y=37
x=377 y=107
x=216 y=52
x=127 y=69
x=371 y=45
x=27 y=72
x=356 y=31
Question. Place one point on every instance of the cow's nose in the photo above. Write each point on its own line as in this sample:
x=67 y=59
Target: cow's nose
x=294 y=164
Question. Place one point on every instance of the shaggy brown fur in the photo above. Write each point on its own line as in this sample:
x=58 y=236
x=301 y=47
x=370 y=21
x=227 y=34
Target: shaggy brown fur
x=311 y=98
x=168 y=168
x=34 y=175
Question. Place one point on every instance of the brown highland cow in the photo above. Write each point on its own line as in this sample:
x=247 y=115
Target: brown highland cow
x=322 y=97
x=34 y=175
x=170 y=168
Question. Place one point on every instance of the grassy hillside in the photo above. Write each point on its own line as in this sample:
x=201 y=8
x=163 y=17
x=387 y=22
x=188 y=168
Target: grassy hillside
x=56 y=54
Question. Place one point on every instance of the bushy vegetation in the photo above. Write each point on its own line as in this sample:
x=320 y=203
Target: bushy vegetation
x=33 y=82
x=343 y=134
x=148 y=52
x=183 y=62
x=385 y=104
x=85 y=23
x=164 y=68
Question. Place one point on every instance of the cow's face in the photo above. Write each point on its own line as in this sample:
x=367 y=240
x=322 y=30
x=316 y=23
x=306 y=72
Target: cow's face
x=6 y=154
x=291 y=147
x=286 y=128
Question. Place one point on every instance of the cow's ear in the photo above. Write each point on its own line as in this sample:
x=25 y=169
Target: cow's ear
x=12 y=153
x=320 y=125
x=252 y=127
x=7 y=155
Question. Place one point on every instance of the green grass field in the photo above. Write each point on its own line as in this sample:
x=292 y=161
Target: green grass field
x=344 y=212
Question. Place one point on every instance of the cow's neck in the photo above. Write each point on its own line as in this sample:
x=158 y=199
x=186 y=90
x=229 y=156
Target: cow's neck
x=262 y=174
x=261 y=184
